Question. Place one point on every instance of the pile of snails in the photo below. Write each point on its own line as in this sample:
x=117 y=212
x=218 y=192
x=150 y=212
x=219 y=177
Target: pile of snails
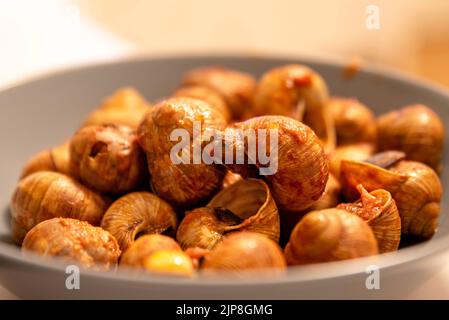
x=348 y=184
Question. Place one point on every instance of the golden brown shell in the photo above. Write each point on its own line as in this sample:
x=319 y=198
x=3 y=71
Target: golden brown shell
x=302 y=166
x=170 y=263
x=182 y=184
x=74 y=241
x=416 y=130
x=354 y=122
x=107 y=158
x=330 y=235
x=237 y=88
x=206 y=94
x=53 y=159
x=245 y=251
x=244 y=205
x=137 y=214
x=299 y=92
x=144 y=247
x=415 y=187
x=358 y=151
x=44 y=195
x=379 y=210
x=124 y=107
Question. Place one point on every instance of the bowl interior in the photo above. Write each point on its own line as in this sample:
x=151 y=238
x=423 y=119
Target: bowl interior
x=44 y=112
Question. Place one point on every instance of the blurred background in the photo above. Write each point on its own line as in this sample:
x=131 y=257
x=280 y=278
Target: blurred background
x=36 y=36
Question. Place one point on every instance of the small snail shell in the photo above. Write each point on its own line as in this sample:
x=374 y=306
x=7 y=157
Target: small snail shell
x=415 y=130
x=415 y=187
x=136 y=214
x=240 y=252
x=44 y=195
x=379 y=210
x=182 y=184
x=358 y=151
x=330 y=235
x=75 y=241
x=299 y=92
x=244 y=205
x=302 y=165
x=124 y=107
x=54 y=159
x=418 y=199
x=208 y=95
x=237 y=88
x=107 y=158
x=169 y=262
x=354 y=121
x=144 y=247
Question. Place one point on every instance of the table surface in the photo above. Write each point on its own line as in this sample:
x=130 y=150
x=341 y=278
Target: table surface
x=92 y=43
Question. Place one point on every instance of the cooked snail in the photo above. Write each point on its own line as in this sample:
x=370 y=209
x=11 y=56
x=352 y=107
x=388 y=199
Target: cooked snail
x=53 y=159
x=137 y=214
x=244 y=205
x=379 y=210
x=125 y=107
x=186 y=182
x=330 y=235
x=415 y=187
x=415 y=130
x=74 y=241
x=144 y=247
x=299 y=92
x=236 y=88
x=107 y=158
x=206 y=94
x=358 y=151
x=354 y=121
x=302 y=165
x=245 y=251
x=169 y=262
x=44 y=195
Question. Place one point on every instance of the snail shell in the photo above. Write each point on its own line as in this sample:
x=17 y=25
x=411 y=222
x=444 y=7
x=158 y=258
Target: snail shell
x=244 y=205
x=44 y=195
x=415 y=187
x=136 y=214
x=54 y=159
x=208 y=95
x=302 y=165
x=236 y=88
x=299 y=92
x=415 y=130
x=245 y=251
x=144 y=247
x=354 y=121
x=169 y=262
x=182 y=184
x=358 y=151
x=379 y=210
x=107 y=158
x=125 y=107
x=330 y=235
x=75 y=241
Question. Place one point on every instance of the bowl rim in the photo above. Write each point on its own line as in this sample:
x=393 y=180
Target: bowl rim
x=312 y=272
